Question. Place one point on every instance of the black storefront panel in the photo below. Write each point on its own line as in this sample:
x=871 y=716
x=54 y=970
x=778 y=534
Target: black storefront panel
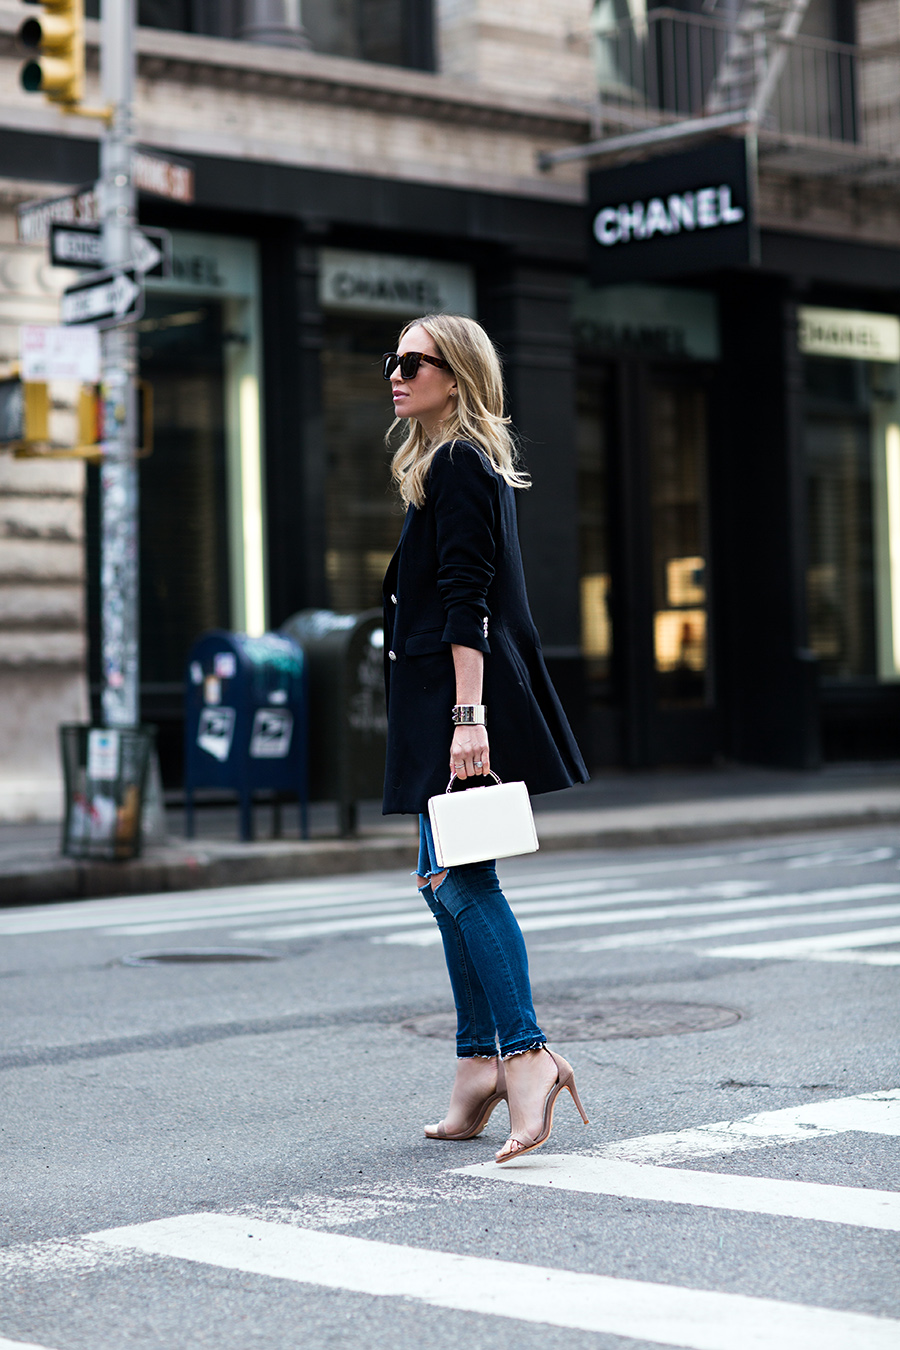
x=646 y=364
x=674 y=215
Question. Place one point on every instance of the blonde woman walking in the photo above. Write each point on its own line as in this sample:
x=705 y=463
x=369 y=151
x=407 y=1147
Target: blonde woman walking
x=468 y=692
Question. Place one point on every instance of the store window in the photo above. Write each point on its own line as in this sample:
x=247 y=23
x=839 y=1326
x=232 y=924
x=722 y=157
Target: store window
x=664 y=333
x=366 y=299
x=852 y=454
x=679 y=530
x=391 y=32
x=202 y=529
x=594 y=549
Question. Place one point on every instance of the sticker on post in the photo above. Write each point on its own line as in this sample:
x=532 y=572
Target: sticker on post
x=271 y=736
x=225 y=665
x=103 y=755
x=215 y=732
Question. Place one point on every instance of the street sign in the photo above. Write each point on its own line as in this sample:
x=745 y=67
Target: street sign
x=49 y=353
x=81 y=245
x=162 y=175
x=76 y=245
x=33 y=218
x=151 y=252
x=106 y=299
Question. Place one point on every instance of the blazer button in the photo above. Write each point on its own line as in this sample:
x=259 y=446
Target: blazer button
x=392 y=655
x=393 y=599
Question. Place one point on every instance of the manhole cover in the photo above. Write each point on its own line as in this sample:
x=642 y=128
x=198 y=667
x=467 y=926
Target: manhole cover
x=601 y=1020
x=187 y=956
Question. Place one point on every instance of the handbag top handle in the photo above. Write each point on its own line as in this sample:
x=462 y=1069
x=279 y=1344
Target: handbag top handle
x=490 y=774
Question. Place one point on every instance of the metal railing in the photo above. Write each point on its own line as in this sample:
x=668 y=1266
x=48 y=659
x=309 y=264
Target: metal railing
x=671 y=66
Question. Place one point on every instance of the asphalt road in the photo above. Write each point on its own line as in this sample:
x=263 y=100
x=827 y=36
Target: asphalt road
x=230 y=1153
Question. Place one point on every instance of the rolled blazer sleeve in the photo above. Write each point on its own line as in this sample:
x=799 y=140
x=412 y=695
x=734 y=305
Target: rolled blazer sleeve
x=464 y=497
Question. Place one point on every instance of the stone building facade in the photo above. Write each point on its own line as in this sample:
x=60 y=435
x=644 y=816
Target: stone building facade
x=319 y=175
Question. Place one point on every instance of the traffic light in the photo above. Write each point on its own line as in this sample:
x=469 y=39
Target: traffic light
x=58 y=36
x=24 y=413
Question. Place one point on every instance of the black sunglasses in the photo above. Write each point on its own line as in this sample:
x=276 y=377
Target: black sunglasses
x=409 y=363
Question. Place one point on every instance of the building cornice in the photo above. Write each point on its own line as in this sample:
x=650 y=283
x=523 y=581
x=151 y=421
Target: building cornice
x=279 y=72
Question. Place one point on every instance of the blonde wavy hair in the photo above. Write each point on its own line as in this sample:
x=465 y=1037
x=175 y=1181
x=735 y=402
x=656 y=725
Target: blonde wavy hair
x=478 y=414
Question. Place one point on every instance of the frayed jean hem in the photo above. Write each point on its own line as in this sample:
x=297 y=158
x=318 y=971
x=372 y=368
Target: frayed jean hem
x=524 y=1049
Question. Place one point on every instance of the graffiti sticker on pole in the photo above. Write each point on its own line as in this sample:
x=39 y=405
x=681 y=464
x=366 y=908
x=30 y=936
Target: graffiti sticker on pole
x=271 y=736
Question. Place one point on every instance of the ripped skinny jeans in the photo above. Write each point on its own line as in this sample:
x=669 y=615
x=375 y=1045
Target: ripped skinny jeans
x=485 y=954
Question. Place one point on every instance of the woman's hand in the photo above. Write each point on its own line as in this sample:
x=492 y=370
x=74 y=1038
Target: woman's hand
x=470 y=741
x=469 y=752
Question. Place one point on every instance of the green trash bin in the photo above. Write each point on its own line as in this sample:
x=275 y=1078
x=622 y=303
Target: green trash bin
x=347 y=712
x=105 y=773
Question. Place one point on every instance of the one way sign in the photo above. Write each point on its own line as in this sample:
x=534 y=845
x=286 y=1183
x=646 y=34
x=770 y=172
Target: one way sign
x=105 y=299
x=78 y=243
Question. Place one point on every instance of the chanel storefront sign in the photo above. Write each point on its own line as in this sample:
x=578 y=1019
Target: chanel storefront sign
x=386 y=283
x=852 y=334
x=672 y=216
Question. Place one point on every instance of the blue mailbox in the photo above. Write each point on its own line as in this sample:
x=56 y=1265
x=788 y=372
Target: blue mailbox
x=245 y=721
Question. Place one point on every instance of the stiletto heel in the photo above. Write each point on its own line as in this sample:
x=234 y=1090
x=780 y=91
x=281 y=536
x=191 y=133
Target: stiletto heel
x=573 y=1093
x=481 y=1113
x=565 y=1078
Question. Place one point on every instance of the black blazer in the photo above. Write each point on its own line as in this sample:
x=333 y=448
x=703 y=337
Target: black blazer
x=457 y=577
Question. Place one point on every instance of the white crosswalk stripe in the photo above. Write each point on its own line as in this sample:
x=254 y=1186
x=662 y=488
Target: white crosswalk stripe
x=19 y=1345
x=711 y=1190
x=697 y=912
x=660 y=1313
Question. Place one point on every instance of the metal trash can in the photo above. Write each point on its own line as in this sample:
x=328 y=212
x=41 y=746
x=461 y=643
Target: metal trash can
x=348 y=722
x=245 y=721
x=105 y=772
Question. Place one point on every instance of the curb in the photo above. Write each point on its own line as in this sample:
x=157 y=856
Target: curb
x=172 y=869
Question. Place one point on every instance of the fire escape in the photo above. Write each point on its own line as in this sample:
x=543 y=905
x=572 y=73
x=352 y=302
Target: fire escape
x=667 y=77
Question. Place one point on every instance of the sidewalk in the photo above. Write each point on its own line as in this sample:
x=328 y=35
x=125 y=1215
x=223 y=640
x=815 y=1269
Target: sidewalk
x=617 y=809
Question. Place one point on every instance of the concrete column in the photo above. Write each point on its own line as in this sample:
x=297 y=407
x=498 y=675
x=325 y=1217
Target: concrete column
x=277 y=23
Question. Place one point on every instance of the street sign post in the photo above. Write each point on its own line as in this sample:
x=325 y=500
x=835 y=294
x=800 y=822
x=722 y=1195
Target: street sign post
x=33 y=219
x=74 y=244
x=151 y=252
x=163 y=176
x=80 y=244
x=105 y=299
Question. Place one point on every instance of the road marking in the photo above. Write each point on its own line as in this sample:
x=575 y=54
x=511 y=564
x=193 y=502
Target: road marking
x=651 y=937
x=663 y=1314
x=562 y=914
x=663 y=936
x=287 y=895
x=228 y=904
x=521 y=896
x=824 y=946
x=415 y=926
x=19 y=1345
x=867 y=1113
x=710 y=1190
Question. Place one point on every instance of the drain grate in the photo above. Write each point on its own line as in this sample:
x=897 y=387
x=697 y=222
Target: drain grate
x=188 y=956
x=600 y=1020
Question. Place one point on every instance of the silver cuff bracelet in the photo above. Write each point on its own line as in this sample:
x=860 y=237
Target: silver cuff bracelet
x=468 y=715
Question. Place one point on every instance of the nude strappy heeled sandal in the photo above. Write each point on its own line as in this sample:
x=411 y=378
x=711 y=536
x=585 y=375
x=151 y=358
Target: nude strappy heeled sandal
x=481 y=1113
x=517 y=1145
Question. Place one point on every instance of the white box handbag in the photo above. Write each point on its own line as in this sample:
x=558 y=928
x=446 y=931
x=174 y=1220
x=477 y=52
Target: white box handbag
x=481 y=823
